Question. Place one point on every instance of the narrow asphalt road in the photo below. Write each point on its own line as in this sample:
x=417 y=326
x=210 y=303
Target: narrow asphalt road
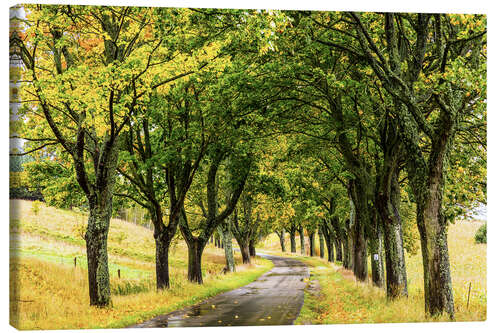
x=273 y=299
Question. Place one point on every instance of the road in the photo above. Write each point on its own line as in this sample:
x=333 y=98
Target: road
x=273 y=299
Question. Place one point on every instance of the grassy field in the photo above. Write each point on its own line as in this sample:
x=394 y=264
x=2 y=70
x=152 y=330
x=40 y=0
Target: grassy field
x=49 y=292
x=343 y=300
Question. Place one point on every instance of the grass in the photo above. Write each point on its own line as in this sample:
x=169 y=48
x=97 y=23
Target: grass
x=49 y=292
x=343 y=300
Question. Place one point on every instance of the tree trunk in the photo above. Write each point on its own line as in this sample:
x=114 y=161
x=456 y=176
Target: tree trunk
x=376 y=260
x=359 y=200
x=388 y=208
x=302 y=242
x=359 y=262
x=96 y=238
x=228 y=246
x=433 y=236
x=162 y=242
x=338 y=249
x=282 y=240
x=251 y=248
x=329 y=250
x=195 y=251
x=337 y=235
x=347 y=248
x=321 y=244
x=293 y=247
x=245 y=252
x=328 y=240
x=312 y=242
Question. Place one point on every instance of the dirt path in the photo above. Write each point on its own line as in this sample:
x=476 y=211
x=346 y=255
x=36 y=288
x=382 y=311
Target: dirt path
x=274 y=299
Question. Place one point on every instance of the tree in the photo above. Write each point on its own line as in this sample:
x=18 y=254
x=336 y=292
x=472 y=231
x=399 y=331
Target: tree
x=429 y=112
x=88 y=71
x=63 y=61
x=165 y=146
x=238 y=166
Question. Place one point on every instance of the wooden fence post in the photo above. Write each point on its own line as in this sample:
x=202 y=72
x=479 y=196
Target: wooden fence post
x=468 y=296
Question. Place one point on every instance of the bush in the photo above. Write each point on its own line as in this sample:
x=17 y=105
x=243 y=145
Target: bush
x=480 y=236
x=35 y=208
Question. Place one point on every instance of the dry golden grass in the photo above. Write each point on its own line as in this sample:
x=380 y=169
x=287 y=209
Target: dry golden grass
x=52 y=296
x=48 y=292
x=344 y=300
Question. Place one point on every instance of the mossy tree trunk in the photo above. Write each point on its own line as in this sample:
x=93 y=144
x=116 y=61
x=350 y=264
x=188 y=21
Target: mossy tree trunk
x=100 y=199
x=376 y=257
x=361 y=217
x=97 y=254
x=388 y=207
x=387 y=200
x=225 y=231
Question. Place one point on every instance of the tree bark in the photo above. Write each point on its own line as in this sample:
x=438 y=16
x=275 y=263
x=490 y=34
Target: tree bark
x=376 y=260
x=251 y=248
x=338 y=249
x=359 y=197
x=328 y=234
x=347 y=247
x=337 y=237
x=282 y=240
x=225 y=231
x=96 y=239
x=328 y=240
x=321 y=244
x=162 y=242
x=302 y=241
x=432 y=226
x=245 y=252
x=293 y=246
x=388 y=209
x=195 y=251
x=311 y=243
x=100 y=203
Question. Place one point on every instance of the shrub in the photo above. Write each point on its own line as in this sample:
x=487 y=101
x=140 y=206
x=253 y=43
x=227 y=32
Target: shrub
x=80 y=227
x=35 y=207
x=120 y=237
x=480 y=236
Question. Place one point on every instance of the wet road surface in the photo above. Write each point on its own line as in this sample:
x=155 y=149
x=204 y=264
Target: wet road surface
x=273 y=299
